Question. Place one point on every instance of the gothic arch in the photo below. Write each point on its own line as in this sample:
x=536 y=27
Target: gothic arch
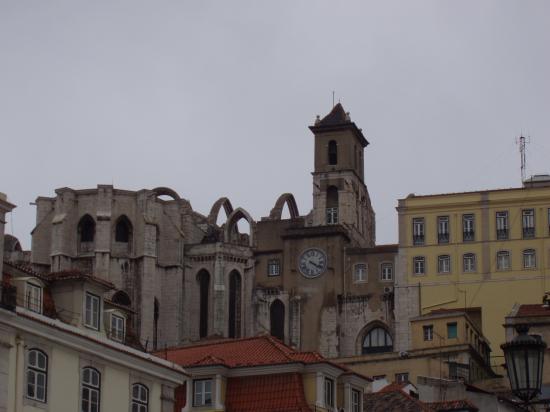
x=203 y=280
x=235 y=304
x=375 y=337
x=232 y=220
x=122 y=298
x=215 y=210
x=277 y=210
x=277 y=319
x=123 y=229
x=166 y=191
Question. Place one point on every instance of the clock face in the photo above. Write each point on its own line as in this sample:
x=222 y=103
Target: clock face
x=312 y=262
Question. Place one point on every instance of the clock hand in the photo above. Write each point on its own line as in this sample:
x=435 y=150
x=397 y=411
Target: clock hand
x=318 y=266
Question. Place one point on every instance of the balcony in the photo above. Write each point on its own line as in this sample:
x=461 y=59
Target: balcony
x=528 y=232
x=468 y=235
x=502 y=234
x=442 y=238
x=418 y=240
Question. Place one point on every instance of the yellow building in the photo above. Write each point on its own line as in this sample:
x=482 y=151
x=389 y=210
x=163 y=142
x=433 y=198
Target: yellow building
x=446 y=344
x=486 y=249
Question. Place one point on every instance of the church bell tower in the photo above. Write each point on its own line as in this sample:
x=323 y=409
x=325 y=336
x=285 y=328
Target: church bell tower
x=340 y=196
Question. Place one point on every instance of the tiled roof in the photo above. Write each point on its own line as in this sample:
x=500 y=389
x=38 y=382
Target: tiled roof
x=266 y=393
x=245 y=352
x=396 y=400
x=336 y=116
x=78 y=275
x=393 y=387
x=533 y=310
x=447 y=406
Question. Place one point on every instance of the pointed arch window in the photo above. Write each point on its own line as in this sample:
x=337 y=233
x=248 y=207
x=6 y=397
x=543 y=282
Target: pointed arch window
x=332 y=152
x=204 y=286
x=377 y=340
x=123 y=230
x=86 y=234
x=235 y=305
x=277 y=319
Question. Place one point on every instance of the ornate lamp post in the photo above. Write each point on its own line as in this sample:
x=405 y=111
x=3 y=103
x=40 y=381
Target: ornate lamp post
x=524 y=357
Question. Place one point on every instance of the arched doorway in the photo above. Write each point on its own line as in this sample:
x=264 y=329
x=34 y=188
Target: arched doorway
x=235 y=302
x=277 y=319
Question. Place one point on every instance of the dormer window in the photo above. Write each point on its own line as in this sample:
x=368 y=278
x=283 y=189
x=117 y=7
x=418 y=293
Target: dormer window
x=33 y=297
x=91 y=311
x=118 y=328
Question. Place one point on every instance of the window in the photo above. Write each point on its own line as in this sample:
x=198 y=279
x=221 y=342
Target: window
x=332 y=152
x=86 y=234
x=91 y=313
x=117 y=328
x=469 y=262
x=419 y=265
x=377 y=340
x=204 y=285
x=273 y=267
x=360 y=273
x=428 y=332
x=37 y=375
x=91 y=387
x=468 y=228
x=402 y=377
x=443 y=229
x=202 y=392
x=444 y=264
x=503 y=260
x=332 y=205
x=502 y=225
x=140 y=398
x=386 y=271
x=355 y=400
x=329 y=392
x=451 y=330
x=528 y=223
x=33 y=298
x=277 y=319
x=529 y=259
x=418 y=231
x=123 y=230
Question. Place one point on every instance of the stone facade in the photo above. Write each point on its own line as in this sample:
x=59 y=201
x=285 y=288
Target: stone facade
x=317 y=281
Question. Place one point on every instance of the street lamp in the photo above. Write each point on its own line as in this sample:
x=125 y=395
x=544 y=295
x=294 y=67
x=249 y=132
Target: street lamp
x=524 y=357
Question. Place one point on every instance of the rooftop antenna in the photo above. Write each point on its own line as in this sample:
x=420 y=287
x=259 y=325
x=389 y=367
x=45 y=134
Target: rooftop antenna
x=521 y=141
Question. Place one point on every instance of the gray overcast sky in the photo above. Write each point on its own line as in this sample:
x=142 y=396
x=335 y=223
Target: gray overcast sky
x=214 y=98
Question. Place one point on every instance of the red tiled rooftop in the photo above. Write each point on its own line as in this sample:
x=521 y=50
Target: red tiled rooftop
x=458 y=405
x=266 y=393
x=260 y=350
x=393 y=387
x=396 y=400
x=533 y=310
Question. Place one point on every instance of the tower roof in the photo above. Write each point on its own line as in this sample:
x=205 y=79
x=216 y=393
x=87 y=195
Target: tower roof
x=338 y=119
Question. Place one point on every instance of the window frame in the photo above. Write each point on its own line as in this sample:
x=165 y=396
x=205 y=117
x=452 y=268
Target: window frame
x=443 y=237
x=444 y=262
x=468 y=227
x=532 y=253
x=202 y=393
x=86 y=322
x=375 y=348
x=473 y=265
x=91 y=388
x=455 y=325
x=502 y=254
x=419 y=259
x=364 y=273
x=402 y=377
x=329 y=394
x=36 y=371
x=383 y=266
x=418 y=231
x=502 y=224
x=274 y=264
x=141 y=405
x=115 y=332
x=428 y=333
x=332 y=215
x=528 y=230
x=30 y=305
x=356 y=398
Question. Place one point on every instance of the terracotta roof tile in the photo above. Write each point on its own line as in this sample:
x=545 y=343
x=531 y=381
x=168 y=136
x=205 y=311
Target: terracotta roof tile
x=396 y=400
x=533 y=310
x=458 y=405
x=266 y=393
